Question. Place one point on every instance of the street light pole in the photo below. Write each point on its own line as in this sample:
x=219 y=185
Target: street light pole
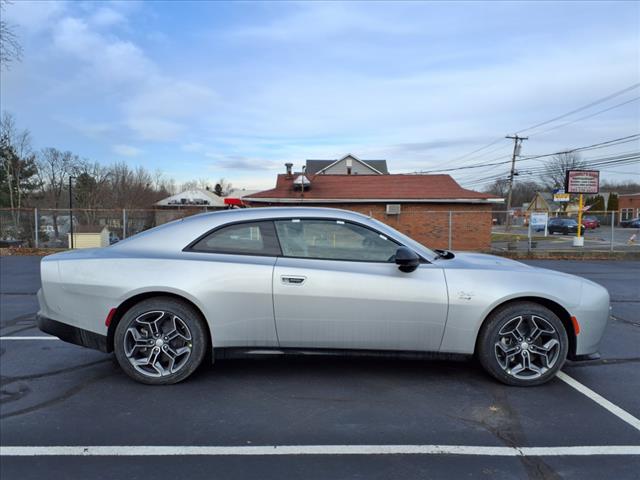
x=71 y=212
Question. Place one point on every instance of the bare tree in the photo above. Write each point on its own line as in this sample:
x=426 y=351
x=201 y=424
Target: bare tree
x=54 y=169
x=18 y=162
x=10 y=48
x=499 y=188
x=91 y=189
x=200 y=184
x=555 y=171
x=17 y=170
x=222 y=188
x=132 y=188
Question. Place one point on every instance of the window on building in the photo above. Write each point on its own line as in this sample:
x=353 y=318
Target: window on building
x=255 y=238
x=626 y=214
x=333 y=240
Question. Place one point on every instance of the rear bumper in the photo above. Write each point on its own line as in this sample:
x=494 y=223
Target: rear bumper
x=71 y=334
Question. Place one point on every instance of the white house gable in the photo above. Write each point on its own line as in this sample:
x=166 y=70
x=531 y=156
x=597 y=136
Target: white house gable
x=349 y=165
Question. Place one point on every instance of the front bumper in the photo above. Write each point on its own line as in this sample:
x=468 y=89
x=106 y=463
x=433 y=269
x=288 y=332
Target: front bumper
x=71 y=334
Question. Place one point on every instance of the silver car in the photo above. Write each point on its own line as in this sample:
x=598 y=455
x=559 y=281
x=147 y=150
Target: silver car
x=279 y=280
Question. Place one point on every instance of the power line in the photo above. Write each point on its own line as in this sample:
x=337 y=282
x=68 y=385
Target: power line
x=635 y=99
x=628 y=158
x=584 y=107
x=560 y=117
x=608 y=143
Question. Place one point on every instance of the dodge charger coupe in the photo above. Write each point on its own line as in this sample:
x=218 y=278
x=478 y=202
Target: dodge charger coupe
x=283 y=280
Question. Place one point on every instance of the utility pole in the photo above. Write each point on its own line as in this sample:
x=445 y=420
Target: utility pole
x=517 y=143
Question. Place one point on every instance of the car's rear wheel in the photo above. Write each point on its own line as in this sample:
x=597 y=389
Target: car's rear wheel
x=523 y=344
x=160 y=341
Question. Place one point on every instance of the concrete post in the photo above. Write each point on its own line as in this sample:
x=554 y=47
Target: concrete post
x=613 y=224
x=124 y=223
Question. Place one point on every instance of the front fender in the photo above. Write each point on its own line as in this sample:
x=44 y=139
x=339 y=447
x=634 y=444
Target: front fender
x=474 y=294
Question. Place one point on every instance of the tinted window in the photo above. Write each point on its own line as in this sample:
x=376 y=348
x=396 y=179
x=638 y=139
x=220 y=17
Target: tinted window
x=255 y=238
x=333 y=240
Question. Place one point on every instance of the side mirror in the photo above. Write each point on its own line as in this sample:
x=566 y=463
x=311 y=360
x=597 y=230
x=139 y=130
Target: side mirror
x=406 y=259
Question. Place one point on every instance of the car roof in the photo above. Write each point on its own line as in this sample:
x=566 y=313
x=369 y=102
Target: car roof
x=175 y=235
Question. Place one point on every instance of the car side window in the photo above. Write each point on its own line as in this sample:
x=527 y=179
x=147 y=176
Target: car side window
x=252 y=238
x=333 y=240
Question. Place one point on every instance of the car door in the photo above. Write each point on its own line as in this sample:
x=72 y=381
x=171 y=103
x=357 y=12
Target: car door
x=336 y=286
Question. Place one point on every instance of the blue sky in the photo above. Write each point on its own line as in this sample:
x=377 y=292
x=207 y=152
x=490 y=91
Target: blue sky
x=235 y=90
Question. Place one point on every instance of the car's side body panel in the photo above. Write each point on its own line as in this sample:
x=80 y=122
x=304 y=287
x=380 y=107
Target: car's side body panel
x=360 y=305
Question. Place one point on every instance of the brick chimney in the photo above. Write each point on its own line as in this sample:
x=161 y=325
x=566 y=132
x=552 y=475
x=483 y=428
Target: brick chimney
x=289 y=167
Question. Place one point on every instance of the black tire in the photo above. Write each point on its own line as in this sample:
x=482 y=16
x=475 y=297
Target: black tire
x=493 y=332
x=192 y=339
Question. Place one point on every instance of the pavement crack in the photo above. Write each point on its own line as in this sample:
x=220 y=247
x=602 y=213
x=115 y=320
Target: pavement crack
x=630 y=322
x=59 y=399
x=19 y=319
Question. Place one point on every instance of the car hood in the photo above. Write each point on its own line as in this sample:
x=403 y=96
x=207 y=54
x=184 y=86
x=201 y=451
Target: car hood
x=482 y=261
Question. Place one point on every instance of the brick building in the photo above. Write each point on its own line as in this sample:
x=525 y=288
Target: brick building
x=421 y=206
x=629 y=206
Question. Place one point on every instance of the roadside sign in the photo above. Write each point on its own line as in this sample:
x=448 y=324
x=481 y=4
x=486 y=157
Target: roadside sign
x=539 y=219
x=559 y=196
x=582 y=181
x=537 y=223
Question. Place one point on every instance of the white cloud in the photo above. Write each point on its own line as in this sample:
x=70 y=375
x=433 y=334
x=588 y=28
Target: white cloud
x=107 y=17
x=155 y=106
x=34 y=16
x=241 y=162
x=153 y=128
x=193 y=147
x=110 y=61
x=126 y=150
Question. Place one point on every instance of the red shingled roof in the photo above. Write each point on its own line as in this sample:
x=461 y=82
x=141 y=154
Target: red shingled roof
x=371 y=187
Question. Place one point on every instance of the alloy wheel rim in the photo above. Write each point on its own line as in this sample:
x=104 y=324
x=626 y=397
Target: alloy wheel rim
x=158 y=343
x=527 y=346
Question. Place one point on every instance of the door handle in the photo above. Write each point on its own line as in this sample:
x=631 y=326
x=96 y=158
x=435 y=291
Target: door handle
x=293 y=279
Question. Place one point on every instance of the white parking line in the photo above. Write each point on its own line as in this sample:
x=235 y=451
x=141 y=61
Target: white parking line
x=600 y=400
x=140 y=450
x=39 y=337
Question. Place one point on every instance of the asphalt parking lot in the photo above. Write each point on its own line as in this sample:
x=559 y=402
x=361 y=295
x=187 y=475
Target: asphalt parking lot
x=599 y=239
x=316 y=417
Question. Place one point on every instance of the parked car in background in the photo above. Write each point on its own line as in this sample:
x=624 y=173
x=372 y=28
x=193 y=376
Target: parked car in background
x=632 y=223
x=590 y=222
x=562 y=225
x=314 y=280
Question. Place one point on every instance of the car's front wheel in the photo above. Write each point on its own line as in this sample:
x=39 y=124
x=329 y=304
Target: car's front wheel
x=160 y=341
x=523 y=344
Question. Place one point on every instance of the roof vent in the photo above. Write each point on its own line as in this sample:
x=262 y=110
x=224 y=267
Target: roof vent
x=301 y=182
x=393 y=209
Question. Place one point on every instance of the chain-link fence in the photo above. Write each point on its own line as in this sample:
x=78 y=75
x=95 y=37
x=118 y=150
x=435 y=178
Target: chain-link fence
x=475 y=229
x=51 y=228
x=555 y=231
